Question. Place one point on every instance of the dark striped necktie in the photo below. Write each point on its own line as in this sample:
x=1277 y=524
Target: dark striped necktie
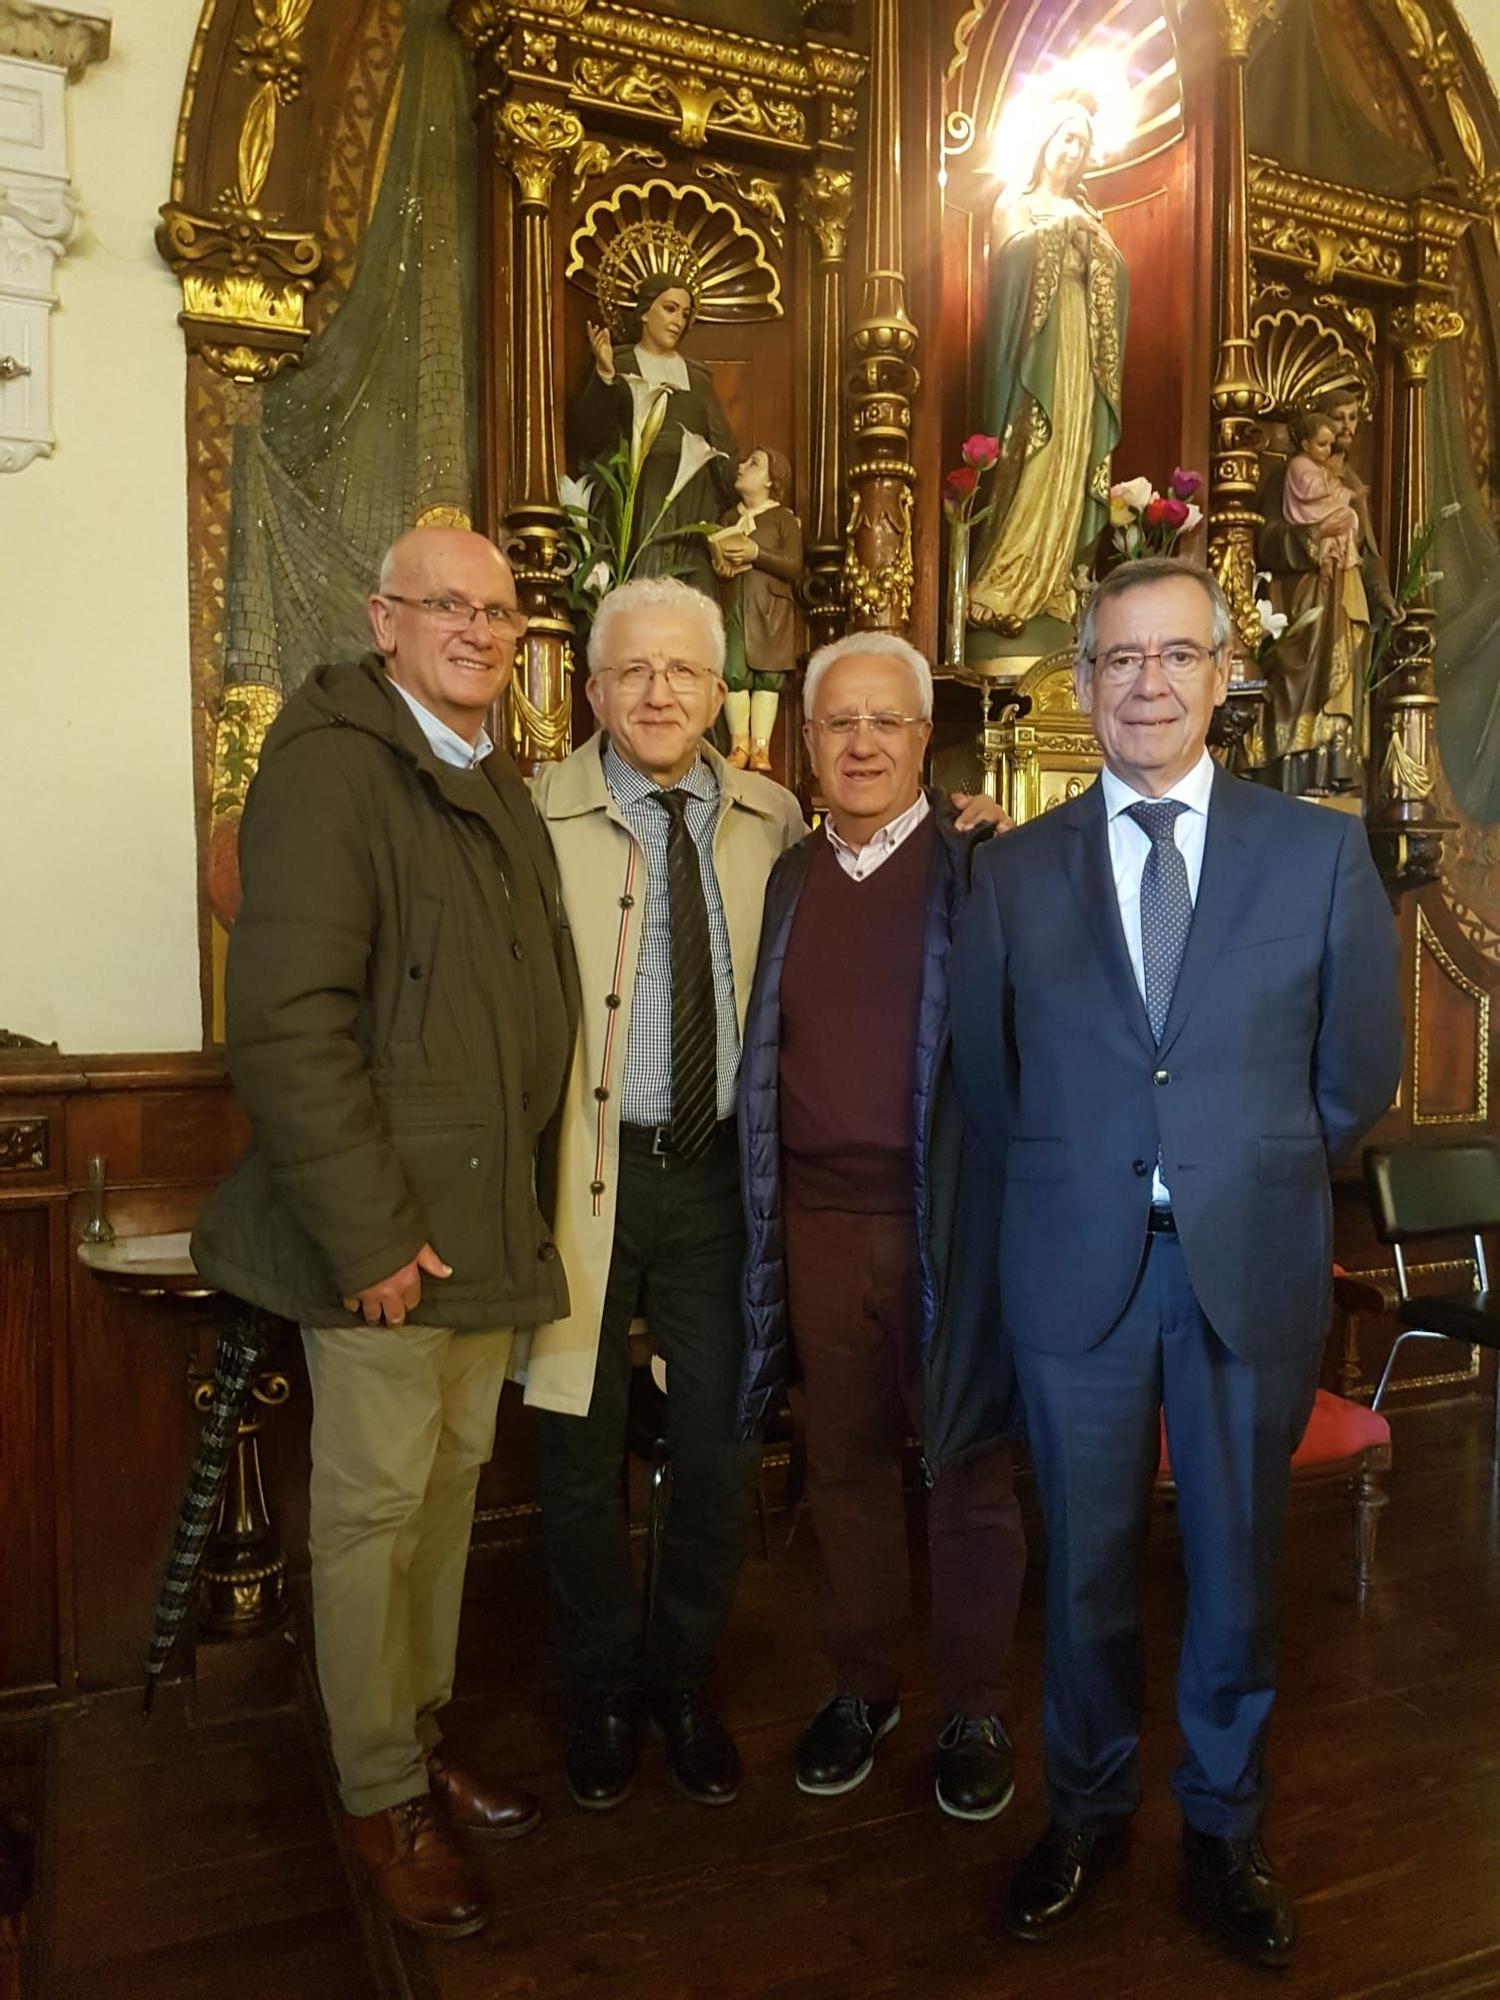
x=695 y=1019
x=1166 y=906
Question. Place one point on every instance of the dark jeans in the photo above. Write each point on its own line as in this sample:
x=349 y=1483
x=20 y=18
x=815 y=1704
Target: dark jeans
x=853 y=1289
x=678 y=1253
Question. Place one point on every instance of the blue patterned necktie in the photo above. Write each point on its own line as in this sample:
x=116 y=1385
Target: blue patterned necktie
x=1166 y=906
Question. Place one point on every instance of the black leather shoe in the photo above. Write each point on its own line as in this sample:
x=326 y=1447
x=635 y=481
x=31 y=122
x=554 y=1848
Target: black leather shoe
x=1051 y=1883
x=837 y=1752
x=604 y=1751
x=1234 y=1888
x=975 y=1767
x=700 y=1750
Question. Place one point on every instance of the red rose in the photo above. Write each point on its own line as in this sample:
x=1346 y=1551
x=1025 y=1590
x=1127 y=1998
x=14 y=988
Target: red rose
x=1186 y=485
x=961 y=482
x=980 y=451
x=1165 y=512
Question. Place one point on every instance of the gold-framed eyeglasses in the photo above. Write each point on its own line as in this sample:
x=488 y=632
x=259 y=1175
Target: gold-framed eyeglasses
x=680 y=677
x=506 y=621
x=885 y=725
x=1179 y=661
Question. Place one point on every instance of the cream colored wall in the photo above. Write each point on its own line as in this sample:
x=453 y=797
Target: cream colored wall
x=98 y=898
x=1482 y=18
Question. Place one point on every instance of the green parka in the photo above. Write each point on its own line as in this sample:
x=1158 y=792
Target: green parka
x=401 y=1008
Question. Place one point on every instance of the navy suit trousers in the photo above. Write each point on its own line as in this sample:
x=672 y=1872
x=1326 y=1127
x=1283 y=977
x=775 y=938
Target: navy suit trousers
x=1093 y=1421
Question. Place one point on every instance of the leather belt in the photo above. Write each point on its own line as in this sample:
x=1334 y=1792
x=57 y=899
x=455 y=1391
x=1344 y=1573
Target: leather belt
x=1160 y=1222
x=656 y=1140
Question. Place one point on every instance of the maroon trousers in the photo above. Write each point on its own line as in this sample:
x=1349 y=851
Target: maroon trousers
x=855 y=1311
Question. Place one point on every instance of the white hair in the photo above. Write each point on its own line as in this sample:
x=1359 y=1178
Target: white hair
x=656 y=593
x=863 y=645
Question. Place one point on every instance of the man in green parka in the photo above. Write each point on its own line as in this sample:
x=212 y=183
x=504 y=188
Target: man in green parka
x=401 y=1007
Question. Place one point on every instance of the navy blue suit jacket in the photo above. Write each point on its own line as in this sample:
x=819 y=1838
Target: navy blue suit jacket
x=1282 y=1047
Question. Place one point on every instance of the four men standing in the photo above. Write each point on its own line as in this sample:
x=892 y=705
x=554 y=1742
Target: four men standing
x=1172 y=1002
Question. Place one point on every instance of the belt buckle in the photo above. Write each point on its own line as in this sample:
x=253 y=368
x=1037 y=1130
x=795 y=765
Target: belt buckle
x=661 y=1142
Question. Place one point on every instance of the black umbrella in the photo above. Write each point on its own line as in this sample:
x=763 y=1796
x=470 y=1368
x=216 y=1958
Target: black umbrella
x=243 y=1346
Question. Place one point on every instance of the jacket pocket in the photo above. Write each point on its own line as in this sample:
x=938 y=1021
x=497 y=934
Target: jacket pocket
x=1297 y=1160
x=1035 y=1160
x=418 y=949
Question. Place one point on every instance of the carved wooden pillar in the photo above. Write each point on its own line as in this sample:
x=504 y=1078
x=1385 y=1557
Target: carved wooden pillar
x=824 y=201
x=1238 y=398
x=533 y=138
x=878 y=558
x=1406 y=831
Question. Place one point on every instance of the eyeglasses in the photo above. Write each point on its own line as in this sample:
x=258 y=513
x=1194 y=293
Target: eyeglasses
x=504 y=619
x=679 y=676
x=1179 y=662
x=886 y=726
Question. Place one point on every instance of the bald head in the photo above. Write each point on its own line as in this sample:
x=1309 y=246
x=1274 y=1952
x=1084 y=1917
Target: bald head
x=447 y=619
x=418 y=555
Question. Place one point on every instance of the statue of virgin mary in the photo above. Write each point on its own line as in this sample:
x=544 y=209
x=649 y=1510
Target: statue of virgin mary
x=1056 y=324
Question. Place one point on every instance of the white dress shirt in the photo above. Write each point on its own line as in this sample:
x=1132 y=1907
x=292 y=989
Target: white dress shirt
x=446 y=744
x=859 y=863
x=1129 y=845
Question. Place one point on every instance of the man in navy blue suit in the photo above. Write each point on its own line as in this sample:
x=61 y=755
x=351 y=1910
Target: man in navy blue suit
x=1173 y=1003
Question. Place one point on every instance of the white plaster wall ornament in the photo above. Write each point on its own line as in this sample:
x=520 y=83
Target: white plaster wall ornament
x=42 y=48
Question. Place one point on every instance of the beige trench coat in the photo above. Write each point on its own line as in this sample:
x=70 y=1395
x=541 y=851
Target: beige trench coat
x=603 y=872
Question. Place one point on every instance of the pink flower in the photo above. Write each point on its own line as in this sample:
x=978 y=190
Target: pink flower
x=980 y=451
x=1186 y=484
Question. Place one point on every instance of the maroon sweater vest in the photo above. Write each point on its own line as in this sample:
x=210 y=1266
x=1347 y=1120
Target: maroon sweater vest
x=850 y=990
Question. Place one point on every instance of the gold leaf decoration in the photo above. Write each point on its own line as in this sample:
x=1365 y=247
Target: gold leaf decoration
x=257 y=141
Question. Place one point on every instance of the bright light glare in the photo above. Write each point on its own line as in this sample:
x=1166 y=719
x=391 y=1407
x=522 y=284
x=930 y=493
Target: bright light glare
x=1031 y=112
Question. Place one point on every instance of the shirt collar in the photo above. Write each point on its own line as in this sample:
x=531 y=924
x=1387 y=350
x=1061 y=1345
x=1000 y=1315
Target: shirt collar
x=1192 y=790
x=890 y=835
x=629 y=786
x=446 y=744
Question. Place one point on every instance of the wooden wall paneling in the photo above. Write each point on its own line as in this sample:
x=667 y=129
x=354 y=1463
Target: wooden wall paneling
x=31 y=1652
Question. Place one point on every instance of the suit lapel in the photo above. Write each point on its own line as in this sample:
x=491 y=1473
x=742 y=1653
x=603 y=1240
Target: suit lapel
x=1092 y=879
x=1228 y=873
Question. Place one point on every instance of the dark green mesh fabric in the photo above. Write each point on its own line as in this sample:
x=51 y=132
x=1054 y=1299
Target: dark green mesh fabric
x=1303 y=99
x=377 y=428
x=1467 y=552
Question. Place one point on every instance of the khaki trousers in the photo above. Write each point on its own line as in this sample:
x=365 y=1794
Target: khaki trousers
x=403 y=1420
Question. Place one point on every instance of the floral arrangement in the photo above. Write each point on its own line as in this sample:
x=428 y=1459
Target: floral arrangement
x=606 y=537
x=1144 y=522
x=980 y=454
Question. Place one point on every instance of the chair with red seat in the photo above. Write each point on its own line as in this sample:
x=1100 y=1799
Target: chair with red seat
x=1343 y=1440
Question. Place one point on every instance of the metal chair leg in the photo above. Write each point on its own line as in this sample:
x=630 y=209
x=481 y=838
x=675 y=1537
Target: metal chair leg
x=1411 y=1333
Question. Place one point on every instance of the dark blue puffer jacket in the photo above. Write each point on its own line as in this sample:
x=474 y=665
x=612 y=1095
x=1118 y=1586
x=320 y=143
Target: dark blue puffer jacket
x=970 y=1398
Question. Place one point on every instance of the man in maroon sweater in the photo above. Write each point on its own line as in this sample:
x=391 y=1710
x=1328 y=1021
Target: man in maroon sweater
x=860 y=1192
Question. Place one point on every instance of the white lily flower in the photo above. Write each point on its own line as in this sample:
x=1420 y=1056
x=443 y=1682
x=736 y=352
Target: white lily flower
x=576 y=495
x=648 y=410
x=598 y=578
x=1195 y=515
x=1272 y=623
x=1138 y=492
x=694 y=454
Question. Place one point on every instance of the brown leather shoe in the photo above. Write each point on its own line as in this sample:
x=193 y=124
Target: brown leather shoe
x=422 y=1876
x=471 y=1805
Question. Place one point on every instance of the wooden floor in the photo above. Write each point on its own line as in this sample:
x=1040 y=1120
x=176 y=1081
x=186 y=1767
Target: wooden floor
x=200 y=1862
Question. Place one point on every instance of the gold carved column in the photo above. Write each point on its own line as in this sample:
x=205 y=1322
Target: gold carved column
x=824 y=201
x=882 y=382
x=1237 y=396
x=534 y=138
x=1406 y=830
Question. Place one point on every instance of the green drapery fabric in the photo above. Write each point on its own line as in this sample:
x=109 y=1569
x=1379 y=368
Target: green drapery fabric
x=377 y=427
x=1467 y=552
x=1304 y=97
